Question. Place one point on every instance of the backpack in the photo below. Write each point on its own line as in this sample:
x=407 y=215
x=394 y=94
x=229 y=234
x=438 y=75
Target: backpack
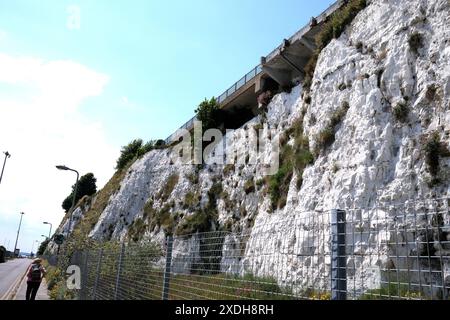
x=35 y=273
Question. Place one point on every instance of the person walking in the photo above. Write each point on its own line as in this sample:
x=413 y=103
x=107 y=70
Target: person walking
x=35 y=273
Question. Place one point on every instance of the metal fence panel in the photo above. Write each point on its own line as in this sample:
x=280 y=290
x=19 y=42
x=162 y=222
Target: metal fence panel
x=393 y=251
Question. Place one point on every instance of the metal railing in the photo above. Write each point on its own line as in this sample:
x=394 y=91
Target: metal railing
x=395 y=251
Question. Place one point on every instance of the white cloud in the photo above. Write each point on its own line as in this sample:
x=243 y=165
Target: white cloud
x=43 y=127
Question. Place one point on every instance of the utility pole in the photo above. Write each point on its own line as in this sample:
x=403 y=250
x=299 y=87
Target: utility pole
x=18 y=230
x=7 y=155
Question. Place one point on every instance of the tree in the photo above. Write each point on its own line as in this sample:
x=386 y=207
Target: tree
x=86 y=187
x=43 y=247
x=128 y=152
x=208 y=113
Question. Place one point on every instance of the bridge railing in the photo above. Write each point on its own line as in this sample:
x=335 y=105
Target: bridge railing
x=220 y=99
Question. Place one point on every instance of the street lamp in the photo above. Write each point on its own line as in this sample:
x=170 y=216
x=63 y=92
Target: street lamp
x=50 y=232
x=18 y=230
x=74 y=193
x=32 y=247
x=44 y=236
x=7 y=155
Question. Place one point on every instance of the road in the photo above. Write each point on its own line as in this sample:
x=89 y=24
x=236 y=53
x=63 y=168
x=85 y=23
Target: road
x=11 y=273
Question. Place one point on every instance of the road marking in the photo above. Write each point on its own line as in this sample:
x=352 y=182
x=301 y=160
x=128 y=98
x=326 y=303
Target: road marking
x=17 y=288
x=13 y=287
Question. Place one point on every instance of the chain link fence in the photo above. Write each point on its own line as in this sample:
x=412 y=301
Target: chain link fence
x=386 y=252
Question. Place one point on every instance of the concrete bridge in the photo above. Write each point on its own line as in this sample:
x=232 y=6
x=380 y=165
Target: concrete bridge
x=283 y=66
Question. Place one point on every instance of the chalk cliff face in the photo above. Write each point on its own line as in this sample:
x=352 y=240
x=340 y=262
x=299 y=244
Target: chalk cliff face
x=375 y=161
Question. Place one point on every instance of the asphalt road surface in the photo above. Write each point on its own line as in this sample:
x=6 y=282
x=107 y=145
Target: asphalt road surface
x=11 y=273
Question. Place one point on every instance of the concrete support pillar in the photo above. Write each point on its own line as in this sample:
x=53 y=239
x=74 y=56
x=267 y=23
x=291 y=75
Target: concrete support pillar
x=308 y=43
x=259 y=82
x=282 y=76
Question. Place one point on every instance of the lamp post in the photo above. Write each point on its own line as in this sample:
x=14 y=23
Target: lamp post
x=44 y=236
x=7 y=155
x=32 y=247
x=74 y=193
x=50 y=232
x=18 y=230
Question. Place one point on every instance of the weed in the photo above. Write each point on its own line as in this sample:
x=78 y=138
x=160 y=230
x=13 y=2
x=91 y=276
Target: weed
x=401 y=112
x=249 y=186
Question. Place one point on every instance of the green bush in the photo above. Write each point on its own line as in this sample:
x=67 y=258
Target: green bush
x=166 y=191
x=392 y=291
x=137 y=229
x=434 y=150
x=128 y=153
x=338 y=21
x=326 y=137
x=203 y=219
x=199 y=221
x=151 y=219
x=136 y=149
x=191 y=200
x=223 y=286
x=296 y=157
x=43 y=247
x=401 y=112
x=86 y=187
x=279 y=186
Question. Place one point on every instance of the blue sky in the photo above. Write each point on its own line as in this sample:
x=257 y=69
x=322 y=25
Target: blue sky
x=74 y=90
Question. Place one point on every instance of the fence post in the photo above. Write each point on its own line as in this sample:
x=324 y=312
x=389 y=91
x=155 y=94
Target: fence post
x=166 y=283
x=338 y=257
x=97 y=276
x=119 y=270
x=84 y=276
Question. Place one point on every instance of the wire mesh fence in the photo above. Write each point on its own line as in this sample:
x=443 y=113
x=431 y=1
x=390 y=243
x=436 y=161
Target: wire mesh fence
x=396 y=251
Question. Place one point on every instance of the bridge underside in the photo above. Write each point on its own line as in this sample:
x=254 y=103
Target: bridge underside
x=283 y=67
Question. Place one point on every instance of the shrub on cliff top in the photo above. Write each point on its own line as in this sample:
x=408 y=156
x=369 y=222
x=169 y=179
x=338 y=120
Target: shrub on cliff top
x=135 y=149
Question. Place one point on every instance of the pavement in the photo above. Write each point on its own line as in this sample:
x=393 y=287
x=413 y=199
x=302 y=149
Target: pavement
x=42 y=293
x=13 y=283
